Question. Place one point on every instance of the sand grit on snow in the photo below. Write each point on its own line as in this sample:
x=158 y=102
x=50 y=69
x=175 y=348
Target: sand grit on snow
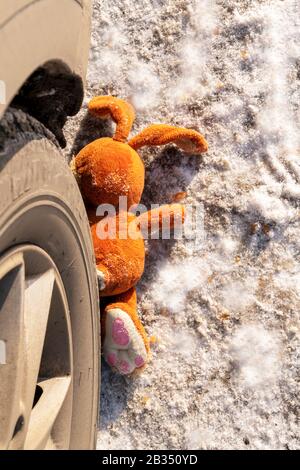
x=225 y=310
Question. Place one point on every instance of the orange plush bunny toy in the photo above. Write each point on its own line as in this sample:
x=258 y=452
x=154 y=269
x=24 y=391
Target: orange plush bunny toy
x=107 y=169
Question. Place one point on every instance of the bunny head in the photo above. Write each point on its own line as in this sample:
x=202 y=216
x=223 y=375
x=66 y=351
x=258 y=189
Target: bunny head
x=111 y=167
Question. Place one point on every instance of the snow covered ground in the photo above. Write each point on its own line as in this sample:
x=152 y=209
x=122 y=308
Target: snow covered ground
x=224 y=311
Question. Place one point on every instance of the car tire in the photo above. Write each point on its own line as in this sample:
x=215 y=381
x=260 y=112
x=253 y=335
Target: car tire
x=49 y=306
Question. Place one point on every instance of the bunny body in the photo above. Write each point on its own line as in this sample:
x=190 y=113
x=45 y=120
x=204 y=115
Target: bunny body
x=107 y=169
x=120 y=257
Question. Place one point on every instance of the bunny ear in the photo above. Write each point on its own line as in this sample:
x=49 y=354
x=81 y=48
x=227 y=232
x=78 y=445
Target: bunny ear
x=121 y=112
x=160 y=134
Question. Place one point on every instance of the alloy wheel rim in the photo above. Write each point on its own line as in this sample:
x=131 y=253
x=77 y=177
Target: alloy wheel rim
x=36 y=369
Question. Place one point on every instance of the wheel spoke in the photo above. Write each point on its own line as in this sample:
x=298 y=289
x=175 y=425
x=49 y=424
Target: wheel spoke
x=45 y=412
x=38 y=295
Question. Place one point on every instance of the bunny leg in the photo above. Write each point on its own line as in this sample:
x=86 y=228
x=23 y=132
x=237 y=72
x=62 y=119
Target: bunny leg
x=125 y=343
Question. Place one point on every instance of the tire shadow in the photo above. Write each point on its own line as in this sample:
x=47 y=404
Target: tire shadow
x=116 y=392
x=91 y=128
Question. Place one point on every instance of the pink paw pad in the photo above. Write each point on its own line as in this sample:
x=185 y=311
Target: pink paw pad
x=139 y=361
x=119 y=333
x=112 y=359
x=124 y=367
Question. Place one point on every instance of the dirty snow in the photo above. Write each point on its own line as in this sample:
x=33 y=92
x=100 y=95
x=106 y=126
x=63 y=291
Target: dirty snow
x=223 y=312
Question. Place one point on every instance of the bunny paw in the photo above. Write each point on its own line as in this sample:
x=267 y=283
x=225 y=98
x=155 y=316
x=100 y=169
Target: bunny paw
x=101 y=280
x=124 y=348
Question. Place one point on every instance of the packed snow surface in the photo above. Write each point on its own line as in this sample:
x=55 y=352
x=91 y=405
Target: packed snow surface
x=224 y=309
